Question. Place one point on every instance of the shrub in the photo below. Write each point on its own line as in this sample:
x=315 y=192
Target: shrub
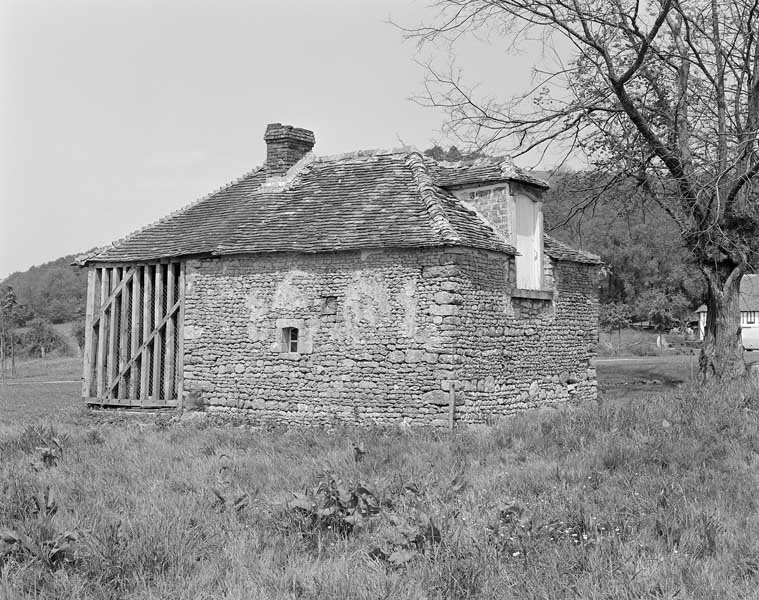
x=615 y=316
x=644 y=350
x=41 y=338
x=78 y=331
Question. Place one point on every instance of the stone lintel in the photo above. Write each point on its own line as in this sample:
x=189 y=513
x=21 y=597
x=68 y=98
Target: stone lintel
x=532 y=294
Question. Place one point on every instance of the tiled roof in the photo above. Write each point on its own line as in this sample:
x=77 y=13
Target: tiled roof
x=347 y=202
x=560 y=251
x=481 y=171
x=749 y=298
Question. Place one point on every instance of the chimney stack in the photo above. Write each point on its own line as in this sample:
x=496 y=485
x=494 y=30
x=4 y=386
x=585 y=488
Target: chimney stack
x=285 y=146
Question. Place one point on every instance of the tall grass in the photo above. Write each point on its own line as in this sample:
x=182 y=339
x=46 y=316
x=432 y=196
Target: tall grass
x=653 y=498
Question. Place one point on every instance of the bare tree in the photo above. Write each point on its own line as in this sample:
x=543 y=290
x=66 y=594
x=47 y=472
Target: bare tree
x=662 y=91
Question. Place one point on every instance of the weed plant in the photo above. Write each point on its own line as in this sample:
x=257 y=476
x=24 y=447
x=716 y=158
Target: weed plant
x=653 y=497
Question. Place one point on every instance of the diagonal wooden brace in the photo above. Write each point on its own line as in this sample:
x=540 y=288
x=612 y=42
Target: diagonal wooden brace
x=114 y=294
x=174 y=308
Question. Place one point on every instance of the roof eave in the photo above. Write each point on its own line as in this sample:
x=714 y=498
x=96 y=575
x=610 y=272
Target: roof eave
x=493 y=181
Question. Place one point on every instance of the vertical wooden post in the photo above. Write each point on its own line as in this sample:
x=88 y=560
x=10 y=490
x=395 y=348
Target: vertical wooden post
x=451 y=406
x=123 y=336
x=145 y=362
x=102 y=332
x=3 y=371
x=180 y=334
x=157 y=339
x=87 y=354
x=134 y=372
x=168 y=361
x=13 y=354
x=112 y=366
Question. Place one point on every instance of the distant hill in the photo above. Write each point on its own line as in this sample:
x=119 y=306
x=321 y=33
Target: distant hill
x=55 y=290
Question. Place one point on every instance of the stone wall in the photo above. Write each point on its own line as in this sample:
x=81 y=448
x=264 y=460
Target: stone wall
x=383 y=336
x=494 y=203
x=369 y=349
x=523 y=352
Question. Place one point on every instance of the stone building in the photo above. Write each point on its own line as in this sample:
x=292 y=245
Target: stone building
x=370 y=287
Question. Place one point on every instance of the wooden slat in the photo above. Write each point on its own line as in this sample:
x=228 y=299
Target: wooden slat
x=180 y=334
x=110 y=367
x=123 y=337
x=151 y=350
x=145 y=362
x=157 y=350
x=127 y=277
x=102 y=335
x=87 y=354
x=152 y=335
x=168 y=361
x=134 y=375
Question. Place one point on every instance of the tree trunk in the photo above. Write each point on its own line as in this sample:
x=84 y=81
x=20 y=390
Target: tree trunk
x=722 y=351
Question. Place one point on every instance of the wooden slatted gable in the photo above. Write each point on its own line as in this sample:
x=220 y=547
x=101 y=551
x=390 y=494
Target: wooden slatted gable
x=133 y=346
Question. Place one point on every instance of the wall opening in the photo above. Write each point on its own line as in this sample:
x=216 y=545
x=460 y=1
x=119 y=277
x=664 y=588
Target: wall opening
x=133 y=337
x=290 y=339
x=329 y=305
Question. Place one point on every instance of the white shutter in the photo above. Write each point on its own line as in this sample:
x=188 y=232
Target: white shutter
x=527 y=243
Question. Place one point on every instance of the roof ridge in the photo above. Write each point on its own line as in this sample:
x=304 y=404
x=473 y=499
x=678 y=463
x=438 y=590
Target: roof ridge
x=428 y=191
x=83 y=258
x=472 y=162
x=368 y=153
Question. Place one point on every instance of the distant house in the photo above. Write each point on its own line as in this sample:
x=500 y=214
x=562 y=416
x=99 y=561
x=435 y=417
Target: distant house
x=749 y=301
x=369 y=287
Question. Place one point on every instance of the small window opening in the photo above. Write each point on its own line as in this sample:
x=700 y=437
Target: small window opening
x=329 y=305
x=750 y=318
x=290 y=339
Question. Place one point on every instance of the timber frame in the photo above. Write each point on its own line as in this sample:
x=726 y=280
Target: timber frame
x=133 y=347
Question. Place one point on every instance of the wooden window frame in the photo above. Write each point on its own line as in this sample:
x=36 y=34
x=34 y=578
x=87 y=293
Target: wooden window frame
x=290 y=340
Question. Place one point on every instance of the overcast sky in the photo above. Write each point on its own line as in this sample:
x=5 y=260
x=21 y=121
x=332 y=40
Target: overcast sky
x=117 y=112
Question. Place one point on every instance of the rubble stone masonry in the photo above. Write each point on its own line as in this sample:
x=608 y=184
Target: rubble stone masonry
x=384 y=336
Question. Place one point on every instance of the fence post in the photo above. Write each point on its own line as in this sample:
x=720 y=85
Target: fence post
x=451 y=405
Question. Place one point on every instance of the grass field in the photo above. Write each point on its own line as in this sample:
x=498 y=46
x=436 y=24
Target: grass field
x=650 y=493
x=642 y=342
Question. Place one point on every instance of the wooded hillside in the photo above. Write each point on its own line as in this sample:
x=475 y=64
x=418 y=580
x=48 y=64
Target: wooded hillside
x=54 y=291
x=646 y=260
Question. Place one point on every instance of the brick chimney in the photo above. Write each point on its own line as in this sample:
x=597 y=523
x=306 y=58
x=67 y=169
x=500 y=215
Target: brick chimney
x=285 y=146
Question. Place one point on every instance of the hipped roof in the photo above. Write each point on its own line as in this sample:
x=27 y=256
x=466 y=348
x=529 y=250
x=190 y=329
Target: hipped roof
x=377 y=199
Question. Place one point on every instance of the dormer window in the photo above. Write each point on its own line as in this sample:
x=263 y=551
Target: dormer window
x=528 y=241
x=511 y=203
